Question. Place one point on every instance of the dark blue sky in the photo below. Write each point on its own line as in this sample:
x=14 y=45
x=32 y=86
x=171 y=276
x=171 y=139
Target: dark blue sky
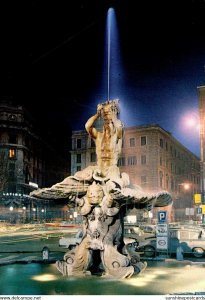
x=55 y=51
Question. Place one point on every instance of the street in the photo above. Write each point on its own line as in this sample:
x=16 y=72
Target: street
x=31 y=240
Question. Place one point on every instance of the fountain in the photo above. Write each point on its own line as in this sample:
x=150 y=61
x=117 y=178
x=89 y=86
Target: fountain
x=103 y=196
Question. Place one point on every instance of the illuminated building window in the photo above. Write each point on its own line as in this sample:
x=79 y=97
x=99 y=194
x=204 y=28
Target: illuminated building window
x=12 y=153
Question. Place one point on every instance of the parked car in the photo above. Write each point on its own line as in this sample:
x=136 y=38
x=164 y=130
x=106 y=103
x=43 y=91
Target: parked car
x=131 y=236
x=71 y=242
x=191 y=239
x=148 y=228
x=140 y=232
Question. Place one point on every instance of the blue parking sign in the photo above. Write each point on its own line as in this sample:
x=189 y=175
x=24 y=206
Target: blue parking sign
x=162 y=216
x=199 y=210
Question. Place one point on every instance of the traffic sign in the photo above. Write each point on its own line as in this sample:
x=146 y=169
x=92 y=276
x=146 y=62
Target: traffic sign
x=203 y=209
x=197 y=198
x=198 y=210
x=162 y=216
x=162 y=229
x=189 y=211
x=162 y=242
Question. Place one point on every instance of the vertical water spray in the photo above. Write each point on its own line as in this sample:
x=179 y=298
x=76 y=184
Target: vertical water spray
x=112 y=80
x=108 y=53
x=112 y=61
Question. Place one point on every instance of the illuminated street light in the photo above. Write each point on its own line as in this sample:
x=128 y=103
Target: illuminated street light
x=11 y=208
x=191 y=120
x=185 y=185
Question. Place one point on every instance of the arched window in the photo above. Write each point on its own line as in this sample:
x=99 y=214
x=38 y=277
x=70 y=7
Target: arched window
x=167 y=181
x=160 y=179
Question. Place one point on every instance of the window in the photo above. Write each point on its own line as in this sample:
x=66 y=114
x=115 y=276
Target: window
x=12 y=153
x=12 y=167
x=11 y=171
x=132 y=142
x=12 y=139
x=143 y=159
x=167 y=181
x=161 y=143
x=92 y=143
x=160 y=161
x=27 y=175
x=27 y=141
x=132 y=160
x=12 y=188
x=172 y=184
x=78 y=158
x=121 y=161
x=93 y=157
x=143 y=140
x=143 y=179
x=160 y=179
x=79 y=143
x=78 y=168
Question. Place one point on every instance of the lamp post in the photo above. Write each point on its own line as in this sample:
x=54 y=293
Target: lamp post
x=202 y=166
x=201 y=94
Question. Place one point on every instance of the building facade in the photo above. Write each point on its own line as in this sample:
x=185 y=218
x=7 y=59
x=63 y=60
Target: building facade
x=154 y=160
x=26 y=162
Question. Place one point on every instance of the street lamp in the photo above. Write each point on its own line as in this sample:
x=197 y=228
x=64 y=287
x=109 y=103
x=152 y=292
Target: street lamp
x=186 y=186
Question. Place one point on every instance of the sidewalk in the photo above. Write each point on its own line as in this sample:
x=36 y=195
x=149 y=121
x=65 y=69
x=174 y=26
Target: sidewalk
x=32 y=257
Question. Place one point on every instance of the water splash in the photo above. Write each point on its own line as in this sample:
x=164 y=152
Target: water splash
x=112 y=57
x=110 y=13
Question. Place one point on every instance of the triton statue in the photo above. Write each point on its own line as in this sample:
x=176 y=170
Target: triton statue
x=103 y=195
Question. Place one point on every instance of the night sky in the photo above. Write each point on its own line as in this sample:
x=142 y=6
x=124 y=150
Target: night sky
x=55 y=51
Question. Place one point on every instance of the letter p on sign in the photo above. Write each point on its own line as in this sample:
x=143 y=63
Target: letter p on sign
x=162 y=216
